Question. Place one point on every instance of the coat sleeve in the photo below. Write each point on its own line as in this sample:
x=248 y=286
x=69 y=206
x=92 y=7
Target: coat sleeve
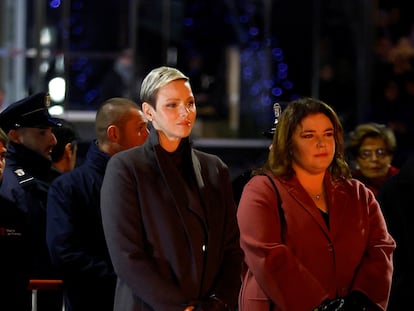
x=275 y=268
x=374 y=274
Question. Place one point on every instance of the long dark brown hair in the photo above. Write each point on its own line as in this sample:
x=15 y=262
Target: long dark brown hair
x=279 y=161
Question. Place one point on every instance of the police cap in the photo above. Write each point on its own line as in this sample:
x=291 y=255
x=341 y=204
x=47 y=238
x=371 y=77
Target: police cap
x=31 y=111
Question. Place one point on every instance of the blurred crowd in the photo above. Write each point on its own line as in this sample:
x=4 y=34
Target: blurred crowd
x=393 y=75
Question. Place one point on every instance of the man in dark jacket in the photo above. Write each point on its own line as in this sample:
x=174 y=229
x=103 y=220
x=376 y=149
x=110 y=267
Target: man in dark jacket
x=27 y=176
x=74 y=230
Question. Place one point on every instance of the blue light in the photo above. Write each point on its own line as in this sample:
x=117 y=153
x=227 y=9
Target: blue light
x=255 y=89
x=277 y=52
x=267 y=101
x=268 y=83
x=282 y=67
x=247 y=73
x=54 y=4
x=253 y=31
x=91 y=95
x=261 y=55
x=188 y=22
x=244 y=19
x=288 y=85
x=282 y=74
x=80 y=80
x=245 y=55
x=279 y=58
x=277 y=91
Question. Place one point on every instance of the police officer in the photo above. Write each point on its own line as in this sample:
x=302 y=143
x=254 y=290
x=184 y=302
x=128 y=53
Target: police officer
x=14 y=261
x=27 y=176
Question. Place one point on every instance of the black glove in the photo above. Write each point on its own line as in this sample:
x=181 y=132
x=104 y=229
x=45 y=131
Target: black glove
x=331 y=305
x=211 y=304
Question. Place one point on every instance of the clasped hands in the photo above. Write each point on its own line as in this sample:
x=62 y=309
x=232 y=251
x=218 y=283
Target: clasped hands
x=210 y=304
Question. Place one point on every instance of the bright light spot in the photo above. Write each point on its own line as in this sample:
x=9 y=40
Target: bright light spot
x=44 y=67
x=57 y=89
x=45 y=36
x=54 y=4
x=56 y=110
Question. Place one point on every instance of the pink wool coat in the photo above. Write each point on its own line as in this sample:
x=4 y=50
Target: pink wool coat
x=315 y=262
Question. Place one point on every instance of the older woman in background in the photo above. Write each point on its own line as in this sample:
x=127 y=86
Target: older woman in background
x=371 y=147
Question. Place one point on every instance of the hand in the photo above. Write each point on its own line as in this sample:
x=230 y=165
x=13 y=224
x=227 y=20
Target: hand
x=210 y=304
x=331 y=305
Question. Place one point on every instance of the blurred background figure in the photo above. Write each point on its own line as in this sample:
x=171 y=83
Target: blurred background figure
x=371 y=147
x=119 y=81
x=3 y=103
x=64 y=154
x=396 y=199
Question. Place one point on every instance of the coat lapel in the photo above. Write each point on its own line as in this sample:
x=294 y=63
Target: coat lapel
x=299 y=194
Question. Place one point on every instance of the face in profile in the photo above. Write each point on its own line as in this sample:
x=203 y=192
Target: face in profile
x=175 y=111
x=134 y=130
x=40 y=140
x=373 y=158
x=313 y=144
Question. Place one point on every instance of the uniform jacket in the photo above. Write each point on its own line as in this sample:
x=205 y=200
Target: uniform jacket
x=26 y=180
x=166 y=251
x=14 y=258
x=75 y=235
x=314 y=262
x=397 y=202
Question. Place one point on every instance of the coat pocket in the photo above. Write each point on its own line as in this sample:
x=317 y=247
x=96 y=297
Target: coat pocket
x=252 y=297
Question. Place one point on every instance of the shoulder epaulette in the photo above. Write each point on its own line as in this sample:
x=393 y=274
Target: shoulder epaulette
x=23 y=177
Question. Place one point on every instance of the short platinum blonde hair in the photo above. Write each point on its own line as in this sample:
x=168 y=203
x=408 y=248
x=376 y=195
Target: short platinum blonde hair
x=156 y=79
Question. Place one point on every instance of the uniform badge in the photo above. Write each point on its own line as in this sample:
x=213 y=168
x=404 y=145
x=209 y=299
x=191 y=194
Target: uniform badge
x=19 y=172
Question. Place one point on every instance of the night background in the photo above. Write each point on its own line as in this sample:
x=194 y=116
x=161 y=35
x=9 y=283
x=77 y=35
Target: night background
x=241 y=56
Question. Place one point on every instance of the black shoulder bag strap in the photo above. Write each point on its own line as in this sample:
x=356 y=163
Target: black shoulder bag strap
x=279 y=206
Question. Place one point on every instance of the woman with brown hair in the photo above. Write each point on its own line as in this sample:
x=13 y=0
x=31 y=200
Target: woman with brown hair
x=313 y=238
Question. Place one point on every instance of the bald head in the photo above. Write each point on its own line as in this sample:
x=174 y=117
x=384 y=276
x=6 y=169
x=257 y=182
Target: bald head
x=121 y=124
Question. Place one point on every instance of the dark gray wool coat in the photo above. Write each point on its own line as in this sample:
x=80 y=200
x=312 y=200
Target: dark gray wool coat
x=172 y=233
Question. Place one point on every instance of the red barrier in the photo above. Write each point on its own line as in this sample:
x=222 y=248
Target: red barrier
x=40 y=285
